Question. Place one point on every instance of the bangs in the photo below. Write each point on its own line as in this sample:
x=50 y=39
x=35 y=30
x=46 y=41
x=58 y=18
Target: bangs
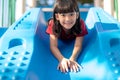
x=65 y=7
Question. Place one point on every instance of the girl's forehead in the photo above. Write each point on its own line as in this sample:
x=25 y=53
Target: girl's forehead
x=68 y=12
x=65 y=10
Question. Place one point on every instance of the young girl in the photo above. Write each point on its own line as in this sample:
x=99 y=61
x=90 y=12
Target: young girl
x=66 y=25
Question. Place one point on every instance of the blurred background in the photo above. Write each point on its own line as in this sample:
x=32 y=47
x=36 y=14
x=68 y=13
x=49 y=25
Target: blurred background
x=12 y=10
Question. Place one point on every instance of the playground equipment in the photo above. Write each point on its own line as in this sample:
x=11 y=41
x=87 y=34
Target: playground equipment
x=25 y=53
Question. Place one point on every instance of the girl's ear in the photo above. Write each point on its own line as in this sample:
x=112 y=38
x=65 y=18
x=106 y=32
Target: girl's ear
x=56 y=16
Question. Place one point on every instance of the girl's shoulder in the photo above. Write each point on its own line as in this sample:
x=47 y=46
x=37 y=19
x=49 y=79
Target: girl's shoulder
x=83 y=28
x=82 y=21
x=49 y=26
x=50 y=22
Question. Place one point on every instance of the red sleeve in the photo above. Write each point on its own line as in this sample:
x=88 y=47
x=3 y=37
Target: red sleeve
x=49 y=28
x=83 y=27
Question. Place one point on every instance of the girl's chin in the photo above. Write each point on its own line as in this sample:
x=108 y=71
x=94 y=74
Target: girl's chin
x=67 y=28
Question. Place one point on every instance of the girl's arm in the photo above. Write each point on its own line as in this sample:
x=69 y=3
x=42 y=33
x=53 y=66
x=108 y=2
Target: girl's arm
x=77 y=48
x=54 y=47
x=63 y=62
x=74 y=66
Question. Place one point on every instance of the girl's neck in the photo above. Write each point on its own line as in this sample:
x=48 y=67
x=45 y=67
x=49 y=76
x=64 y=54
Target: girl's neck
x=67 y=31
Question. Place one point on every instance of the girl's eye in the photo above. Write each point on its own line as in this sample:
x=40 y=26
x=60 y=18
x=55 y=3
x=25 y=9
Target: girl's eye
x=71 y=14
x=62 y=14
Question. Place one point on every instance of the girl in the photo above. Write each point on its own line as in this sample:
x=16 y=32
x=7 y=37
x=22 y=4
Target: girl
x=66 y=25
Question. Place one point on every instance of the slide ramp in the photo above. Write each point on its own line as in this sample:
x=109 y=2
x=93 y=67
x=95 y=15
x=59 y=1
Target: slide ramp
x=25 y=52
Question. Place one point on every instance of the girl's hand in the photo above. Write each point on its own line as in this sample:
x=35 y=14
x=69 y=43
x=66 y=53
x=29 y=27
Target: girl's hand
x=63 y=65
x=74 y=66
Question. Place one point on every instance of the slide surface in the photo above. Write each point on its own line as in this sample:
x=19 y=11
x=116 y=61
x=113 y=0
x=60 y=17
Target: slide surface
x=25 y=52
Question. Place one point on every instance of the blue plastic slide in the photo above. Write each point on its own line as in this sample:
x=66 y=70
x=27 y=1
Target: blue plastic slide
x=25 y=52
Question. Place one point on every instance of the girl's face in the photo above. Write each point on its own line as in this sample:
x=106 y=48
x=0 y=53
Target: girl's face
x=67 y=20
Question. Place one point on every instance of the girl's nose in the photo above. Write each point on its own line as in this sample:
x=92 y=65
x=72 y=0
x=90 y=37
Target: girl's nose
x=67 y=18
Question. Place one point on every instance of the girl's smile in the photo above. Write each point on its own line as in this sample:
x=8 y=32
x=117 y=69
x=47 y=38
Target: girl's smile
x=68 y=24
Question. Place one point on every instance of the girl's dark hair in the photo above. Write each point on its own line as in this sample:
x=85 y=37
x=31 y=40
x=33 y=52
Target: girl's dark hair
x=66 y=6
